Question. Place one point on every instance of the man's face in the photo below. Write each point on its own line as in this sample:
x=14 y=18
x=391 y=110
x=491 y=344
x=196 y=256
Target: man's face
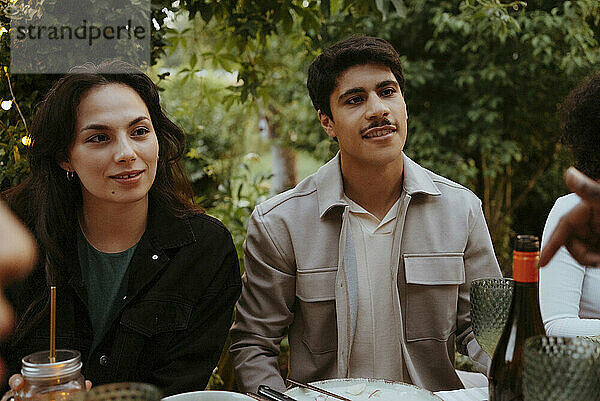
x=369 y=116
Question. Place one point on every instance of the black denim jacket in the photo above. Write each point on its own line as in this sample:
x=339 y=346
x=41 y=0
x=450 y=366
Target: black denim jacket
x=170 y=328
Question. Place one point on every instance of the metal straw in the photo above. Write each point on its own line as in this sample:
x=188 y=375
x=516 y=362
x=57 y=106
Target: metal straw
x=255 y=396
x=52 y=356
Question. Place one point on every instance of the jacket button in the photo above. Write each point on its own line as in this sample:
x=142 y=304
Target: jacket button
x=103 y=360
x=154 y=257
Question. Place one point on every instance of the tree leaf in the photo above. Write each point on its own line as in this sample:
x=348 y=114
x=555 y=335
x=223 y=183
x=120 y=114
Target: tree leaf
x=400 y=7
x=380 y=4
x=206 y=11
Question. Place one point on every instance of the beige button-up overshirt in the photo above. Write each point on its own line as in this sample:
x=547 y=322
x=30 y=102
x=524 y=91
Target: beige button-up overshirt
x=300 y=279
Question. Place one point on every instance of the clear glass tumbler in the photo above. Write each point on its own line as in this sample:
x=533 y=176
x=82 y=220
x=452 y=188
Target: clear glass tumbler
x=126 y=391
x=561 y=369
x=490 y=304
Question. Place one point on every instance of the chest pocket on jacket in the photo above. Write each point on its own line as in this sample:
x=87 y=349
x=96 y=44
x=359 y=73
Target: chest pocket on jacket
x=316 y=290
x=147 y=327
x=155 y=316
x=432 y=282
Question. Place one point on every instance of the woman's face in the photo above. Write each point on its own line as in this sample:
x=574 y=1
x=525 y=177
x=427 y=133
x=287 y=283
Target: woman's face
x=115 y=148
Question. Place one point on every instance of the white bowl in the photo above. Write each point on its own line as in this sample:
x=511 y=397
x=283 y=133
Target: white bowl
x=364 y=390
x=210 y=395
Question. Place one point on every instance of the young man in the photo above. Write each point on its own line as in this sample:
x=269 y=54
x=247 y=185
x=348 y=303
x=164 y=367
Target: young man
x=367 y=264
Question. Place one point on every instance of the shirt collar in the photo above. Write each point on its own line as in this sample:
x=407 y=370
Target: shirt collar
x=369 y=221
x=330 y=186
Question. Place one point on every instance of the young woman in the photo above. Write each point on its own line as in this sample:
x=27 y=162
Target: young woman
x=569 y=296
x=146 y=282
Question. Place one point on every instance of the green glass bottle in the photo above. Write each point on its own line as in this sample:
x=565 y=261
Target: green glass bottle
x=524 y=321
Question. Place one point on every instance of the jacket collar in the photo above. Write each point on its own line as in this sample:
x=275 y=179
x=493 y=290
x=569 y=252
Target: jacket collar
x=163 y=231
x=166 y=230
x=330 y=186
x=417 y=179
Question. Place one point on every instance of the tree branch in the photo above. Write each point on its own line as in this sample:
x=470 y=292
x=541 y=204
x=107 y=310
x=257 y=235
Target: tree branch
x=541 y=168
x=14 y=99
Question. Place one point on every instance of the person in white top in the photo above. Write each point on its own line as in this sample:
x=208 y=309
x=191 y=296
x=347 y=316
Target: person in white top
x=569 y=296
x=579 y=229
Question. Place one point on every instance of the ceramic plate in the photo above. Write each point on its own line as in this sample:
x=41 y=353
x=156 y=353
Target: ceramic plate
x=208 y=396
x=363 y=390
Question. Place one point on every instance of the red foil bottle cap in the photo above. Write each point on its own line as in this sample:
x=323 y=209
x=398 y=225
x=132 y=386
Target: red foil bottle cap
x=525 y=266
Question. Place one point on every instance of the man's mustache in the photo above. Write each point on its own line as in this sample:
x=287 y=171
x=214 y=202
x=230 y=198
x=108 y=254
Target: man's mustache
x=380 y=123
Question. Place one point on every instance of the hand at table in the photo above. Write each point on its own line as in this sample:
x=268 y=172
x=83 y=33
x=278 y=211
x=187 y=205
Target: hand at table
x=579 y=229
x=17 y=257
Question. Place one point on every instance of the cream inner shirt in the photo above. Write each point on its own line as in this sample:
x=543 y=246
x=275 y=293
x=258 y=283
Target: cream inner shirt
x=376 y=351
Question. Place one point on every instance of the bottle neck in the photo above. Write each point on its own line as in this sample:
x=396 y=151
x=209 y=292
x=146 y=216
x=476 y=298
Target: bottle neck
x=526 y=291
x=525 y=267
x=525 y=304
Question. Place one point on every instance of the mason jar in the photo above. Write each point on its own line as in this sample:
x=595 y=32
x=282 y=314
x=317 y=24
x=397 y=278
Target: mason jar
x=51 y=381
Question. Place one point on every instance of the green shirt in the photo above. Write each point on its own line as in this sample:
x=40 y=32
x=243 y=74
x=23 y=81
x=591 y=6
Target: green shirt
x=103 y=275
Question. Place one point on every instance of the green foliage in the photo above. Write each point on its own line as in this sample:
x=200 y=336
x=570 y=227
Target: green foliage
x=239 y=195
x=29 y=89
x=215 y=129
x=462 y=362
x=483 y=90
x=14 y=121
x=12 y=164
x=484 y=81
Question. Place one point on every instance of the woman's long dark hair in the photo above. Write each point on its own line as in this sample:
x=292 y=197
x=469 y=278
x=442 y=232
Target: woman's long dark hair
x=47 y=201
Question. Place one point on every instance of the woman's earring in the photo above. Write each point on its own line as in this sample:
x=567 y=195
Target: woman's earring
x=70 y=175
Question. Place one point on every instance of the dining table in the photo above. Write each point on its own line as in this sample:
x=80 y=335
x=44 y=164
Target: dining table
x=467 y=394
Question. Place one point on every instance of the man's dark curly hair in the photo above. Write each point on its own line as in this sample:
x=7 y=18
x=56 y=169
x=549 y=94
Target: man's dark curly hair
x=324 y=72
x=580 y=115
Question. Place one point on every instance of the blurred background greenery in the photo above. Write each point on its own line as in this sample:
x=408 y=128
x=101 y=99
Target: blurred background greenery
x=485 y=79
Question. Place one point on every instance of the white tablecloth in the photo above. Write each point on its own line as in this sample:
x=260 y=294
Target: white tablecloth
x=469 y=394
